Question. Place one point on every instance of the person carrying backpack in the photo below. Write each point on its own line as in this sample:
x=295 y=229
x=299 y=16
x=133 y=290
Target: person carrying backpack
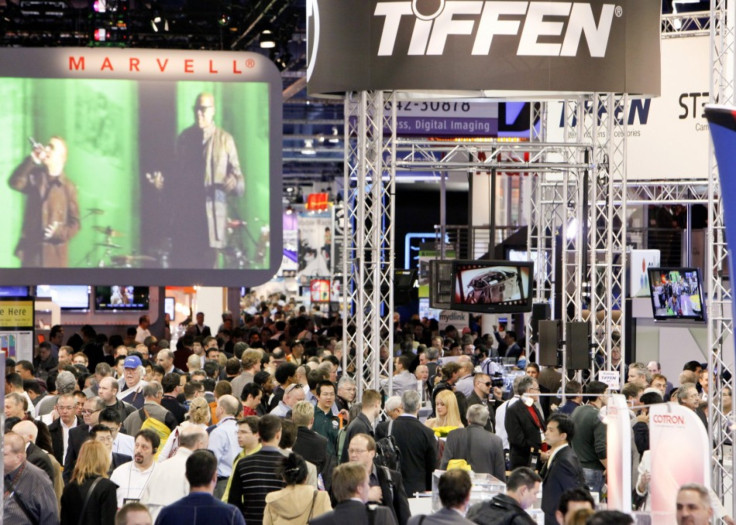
x=152 y=416
x=522 y=488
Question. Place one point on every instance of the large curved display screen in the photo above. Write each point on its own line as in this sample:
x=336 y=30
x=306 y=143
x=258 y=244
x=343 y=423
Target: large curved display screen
x=139 y=166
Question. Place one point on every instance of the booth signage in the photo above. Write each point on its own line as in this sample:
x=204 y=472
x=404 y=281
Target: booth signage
x=486 y=45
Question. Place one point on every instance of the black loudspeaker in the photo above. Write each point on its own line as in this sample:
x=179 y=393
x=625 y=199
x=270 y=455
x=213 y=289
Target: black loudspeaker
x=540 y=312
x=405 y=287
x=549 y=342
x=578 y=345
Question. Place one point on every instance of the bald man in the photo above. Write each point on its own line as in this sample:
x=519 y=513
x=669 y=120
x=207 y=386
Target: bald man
x=208 y=167
x=51 y=214
x=36 y=456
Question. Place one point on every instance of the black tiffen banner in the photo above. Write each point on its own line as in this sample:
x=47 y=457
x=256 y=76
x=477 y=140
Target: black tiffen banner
x=503 y=48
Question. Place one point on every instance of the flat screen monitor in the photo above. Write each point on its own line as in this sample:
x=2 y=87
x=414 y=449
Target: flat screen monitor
x=67 y=297
x=319 y=290
x=676 y=293
x=13 y=291
x=119 y=297
x=492 y=286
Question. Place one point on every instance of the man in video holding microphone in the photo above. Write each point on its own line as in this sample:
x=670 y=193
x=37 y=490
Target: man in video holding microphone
x=51 y=215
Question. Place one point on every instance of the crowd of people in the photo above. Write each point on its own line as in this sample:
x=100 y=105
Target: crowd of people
x=260 y=424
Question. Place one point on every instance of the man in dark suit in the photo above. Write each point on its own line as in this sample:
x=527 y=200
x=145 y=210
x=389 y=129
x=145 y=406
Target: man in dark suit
x=363 y=424
x=454 y=490
x=562 y=471
x=200 y=507
x=386 y=486
x=417 y=444
x=477 y=446
x=79 y=434
x=310 y=445
x=351 y=490
x=36 y=456
x=66 y=406
x=524 y=424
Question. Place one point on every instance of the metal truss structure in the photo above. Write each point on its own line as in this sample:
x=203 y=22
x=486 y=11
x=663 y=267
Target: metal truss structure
x=720 y=325
x=368 y=237
x=675 y=25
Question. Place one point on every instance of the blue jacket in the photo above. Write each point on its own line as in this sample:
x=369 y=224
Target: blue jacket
x=200 y=508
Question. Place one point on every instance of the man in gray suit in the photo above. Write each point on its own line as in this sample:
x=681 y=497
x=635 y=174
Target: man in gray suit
x=454 y=489
x=477 y=446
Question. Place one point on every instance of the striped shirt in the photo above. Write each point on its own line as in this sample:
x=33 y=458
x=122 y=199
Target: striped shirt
x=254 y=477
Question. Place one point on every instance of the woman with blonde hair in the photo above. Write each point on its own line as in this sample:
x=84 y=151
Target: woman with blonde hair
x=448 y=414
x=297 y=503
x=90 y=498
x=199 y=414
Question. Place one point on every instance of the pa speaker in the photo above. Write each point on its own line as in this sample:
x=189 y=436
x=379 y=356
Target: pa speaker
x=578 y=345
x=549 y=342
x=540 y=312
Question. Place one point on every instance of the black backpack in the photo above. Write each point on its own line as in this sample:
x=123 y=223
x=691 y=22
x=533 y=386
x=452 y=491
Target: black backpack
x=387 y=451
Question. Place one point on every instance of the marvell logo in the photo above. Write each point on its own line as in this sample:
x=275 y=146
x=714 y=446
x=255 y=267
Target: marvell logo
x=542 y=28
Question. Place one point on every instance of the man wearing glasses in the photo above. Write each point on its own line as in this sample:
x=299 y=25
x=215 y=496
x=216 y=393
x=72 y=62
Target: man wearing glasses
x=79 y=434
x=66 y=407
x=479 y=396
x=525 y=426
x=207 y=158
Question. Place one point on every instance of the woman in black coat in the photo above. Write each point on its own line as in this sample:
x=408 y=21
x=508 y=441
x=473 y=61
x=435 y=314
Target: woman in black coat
x=90 y=498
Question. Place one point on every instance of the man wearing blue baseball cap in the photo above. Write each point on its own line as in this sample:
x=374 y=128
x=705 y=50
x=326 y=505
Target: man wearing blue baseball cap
x=133 y=383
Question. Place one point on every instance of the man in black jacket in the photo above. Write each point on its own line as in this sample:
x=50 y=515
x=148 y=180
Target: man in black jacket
x=417 y=444
x=36 y=456
x=524 y=424
x=309 y=444
x=562 y=470
x=386 y=486
x=351 y=492
x=363 y=424
x=522 y=488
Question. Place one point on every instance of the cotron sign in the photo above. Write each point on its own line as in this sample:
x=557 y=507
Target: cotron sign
x=484 y=45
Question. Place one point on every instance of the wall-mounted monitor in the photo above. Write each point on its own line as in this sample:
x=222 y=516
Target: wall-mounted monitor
x=119 y=297
x=676 y=293
x=67 y=297
x=319 y=290
x=492 y=286
x=13 y=291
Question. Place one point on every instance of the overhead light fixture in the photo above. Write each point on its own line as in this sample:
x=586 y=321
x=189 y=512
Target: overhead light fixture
x=308 y=148
x=267 y=39
x=334 y=138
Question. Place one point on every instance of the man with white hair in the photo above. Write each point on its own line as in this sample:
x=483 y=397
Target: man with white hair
x=693 y=505
x=480 y=448
x=393 y=408
x=224 y=439
x=292 y=395
x=66 y=383
x=153 y=392
x=168 y=482
x=131 y=389
x=417 y=444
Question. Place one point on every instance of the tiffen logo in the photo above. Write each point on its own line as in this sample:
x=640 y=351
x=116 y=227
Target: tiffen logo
x=547 y=28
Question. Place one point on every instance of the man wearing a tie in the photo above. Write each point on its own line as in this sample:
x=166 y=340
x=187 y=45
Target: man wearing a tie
x=51 y=214
x=562 y=471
